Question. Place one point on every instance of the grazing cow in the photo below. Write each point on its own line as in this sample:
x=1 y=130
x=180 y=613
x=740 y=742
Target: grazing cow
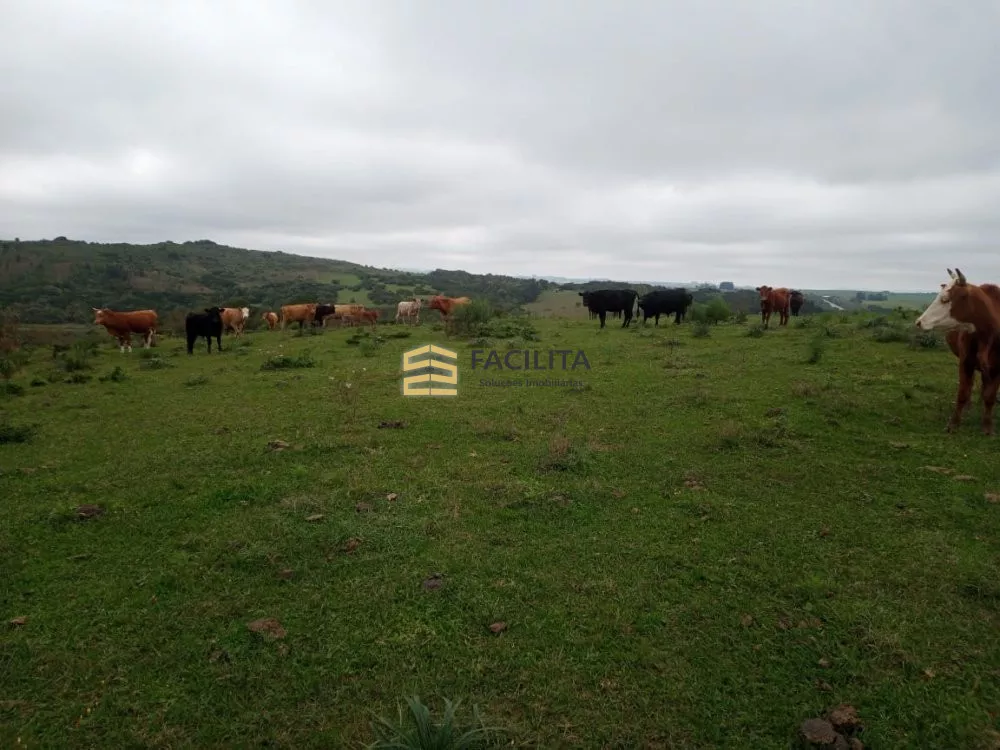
x=207 y=324
x=774 y=300
x=301 y=314
x=603 y=301
x=970 y=313
x=235 y=319
x=795 y=302
x=409 y=310
x=122 y=325
x=368 y=316
x=446 y=305
x=271 y=318
x=665 y=302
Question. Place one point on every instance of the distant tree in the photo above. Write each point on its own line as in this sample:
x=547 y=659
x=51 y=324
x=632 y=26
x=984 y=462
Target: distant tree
x=727 y=286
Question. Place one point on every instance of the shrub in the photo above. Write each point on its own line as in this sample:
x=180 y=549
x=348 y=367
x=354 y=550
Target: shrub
x=154 y=363
x=469 y=318
x=755 y=331
x=117 y=375
x=926 y=340
x=717 y=311
x=79 y=377
x=741 y=317
x=701 y=329
x=890 y=333
x=817 y=345
x=15 y=433
x=13 y=389
x=286 y=362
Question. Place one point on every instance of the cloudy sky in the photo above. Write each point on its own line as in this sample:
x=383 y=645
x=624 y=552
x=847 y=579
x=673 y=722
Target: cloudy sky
x=834 y=143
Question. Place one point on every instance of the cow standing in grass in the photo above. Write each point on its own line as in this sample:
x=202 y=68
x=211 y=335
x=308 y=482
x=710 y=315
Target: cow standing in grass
x=122 y=325
x=271 y=319
x=235 y=319
x=409 y=310
x=604 y=301
x=301 y=314
x=207 y=324
x=795 y=302
x=970 y=313
x=665 y=302
x=774 y=300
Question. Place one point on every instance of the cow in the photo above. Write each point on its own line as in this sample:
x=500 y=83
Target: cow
x=271 y=318
x=409 y=310
x=970 y=313
x=773 y=300
x=301 y=314
x=665 y=302
x=795 y=301
x=446 y=305
x=234 y=319
x=122 y=324
x=337 y=312
x=207 y=324
x=603 y=301
x=368 y=316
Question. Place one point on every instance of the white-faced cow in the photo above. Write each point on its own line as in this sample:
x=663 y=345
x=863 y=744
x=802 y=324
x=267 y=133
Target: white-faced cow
x=970 y=313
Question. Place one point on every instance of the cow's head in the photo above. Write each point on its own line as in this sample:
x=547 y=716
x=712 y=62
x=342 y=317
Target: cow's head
x=245 y=311
x=99 y=314
x=953 y=307
x=764 y=292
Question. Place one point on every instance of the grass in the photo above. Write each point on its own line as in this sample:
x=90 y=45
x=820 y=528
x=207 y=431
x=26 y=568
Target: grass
x=673 y=548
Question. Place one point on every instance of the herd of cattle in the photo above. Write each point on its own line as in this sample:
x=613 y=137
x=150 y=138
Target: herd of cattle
x=214 y=321
x=968 y=313
x=676 y=302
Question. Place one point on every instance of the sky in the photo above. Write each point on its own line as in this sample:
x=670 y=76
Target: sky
x=829 y=144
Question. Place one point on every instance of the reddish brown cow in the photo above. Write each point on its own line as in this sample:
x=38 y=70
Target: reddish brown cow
x=122 y=324
x=970 y=313
x=271 y=318
x=446 y=305
x=368 y=316
x=774 y=300
x=301 y=314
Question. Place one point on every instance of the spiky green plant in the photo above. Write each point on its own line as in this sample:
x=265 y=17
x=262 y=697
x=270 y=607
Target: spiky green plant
x=421 y=733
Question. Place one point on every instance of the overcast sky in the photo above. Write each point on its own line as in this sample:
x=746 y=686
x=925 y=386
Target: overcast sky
x=834 y=143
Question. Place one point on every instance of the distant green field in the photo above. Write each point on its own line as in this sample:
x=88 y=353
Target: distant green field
x=708 y=542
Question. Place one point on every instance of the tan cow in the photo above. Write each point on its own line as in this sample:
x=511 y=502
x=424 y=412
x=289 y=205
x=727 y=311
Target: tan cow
x=343 y=313
x=122 y=324
x=234 y=319
x=271 y=318
x=301 y=314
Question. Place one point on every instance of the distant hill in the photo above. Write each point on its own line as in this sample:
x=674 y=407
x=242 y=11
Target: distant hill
x=60 y=280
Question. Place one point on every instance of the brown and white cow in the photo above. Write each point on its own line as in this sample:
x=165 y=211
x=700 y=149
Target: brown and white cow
x=271 y=318
x=409 y=310
x=446 y=305
x=122 y=324
x=774 y=300
x=234 y=319
x=970 y=313
x=301 y=314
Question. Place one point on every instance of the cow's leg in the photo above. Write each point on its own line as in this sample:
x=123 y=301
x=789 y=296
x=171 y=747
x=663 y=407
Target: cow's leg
x=966 y=379
x=218 y=341
x=989 y=401
x=603 y=316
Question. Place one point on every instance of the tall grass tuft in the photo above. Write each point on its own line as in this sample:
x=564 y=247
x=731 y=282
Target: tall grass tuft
x=418 y=731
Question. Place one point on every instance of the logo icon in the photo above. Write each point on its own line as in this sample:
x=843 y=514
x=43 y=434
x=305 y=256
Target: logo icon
x=412 y=383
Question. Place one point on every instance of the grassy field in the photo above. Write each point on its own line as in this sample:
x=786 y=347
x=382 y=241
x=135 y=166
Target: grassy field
x=708 y=542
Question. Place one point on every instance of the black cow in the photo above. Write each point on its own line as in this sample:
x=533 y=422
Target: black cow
x=603 y=301
x=665 y=302
x=207 y=324
x=797 y=300
x=321 y=312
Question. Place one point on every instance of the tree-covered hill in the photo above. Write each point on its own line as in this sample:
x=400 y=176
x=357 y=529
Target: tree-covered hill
x=60 y=280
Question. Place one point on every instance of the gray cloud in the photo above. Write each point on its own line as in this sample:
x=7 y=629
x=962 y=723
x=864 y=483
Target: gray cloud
x=818 y=145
